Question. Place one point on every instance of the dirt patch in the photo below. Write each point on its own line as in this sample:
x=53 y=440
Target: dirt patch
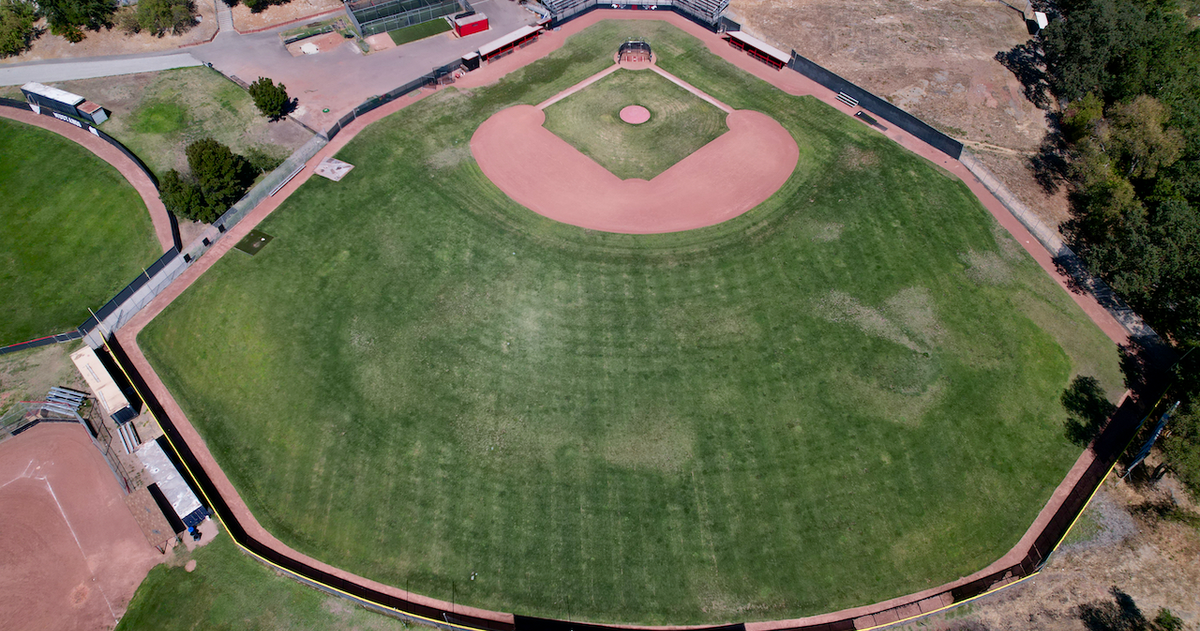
x=1153 y=563
x=245 y=21
x=933 y=58
x=907 y=318
x=73 y=554
x=28 y=375
x=986 y=268
x=114 y=41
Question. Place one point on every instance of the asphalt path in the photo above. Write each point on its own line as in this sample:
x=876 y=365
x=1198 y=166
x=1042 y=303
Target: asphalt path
x=91 y=67
x=336 y=80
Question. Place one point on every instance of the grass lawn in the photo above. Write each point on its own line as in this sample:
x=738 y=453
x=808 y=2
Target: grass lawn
x=846 y=394
x=229 y=590
x=74 y=232
x=419 y=31
x=680 y=123
x=157 y=114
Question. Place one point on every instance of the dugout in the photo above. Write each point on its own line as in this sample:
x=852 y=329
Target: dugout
x=102 y=384
x=372 y=17
x=508 y=43
x=758 y=49
x=62 y=101
x=173 y=490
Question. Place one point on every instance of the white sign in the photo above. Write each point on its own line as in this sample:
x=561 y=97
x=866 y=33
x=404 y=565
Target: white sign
x=68 y=119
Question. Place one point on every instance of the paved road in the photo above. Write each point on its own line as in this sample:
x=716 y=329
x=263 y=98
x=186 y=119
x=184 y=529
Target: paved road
x=341 y=78
x=69 y=69
x=337 y=80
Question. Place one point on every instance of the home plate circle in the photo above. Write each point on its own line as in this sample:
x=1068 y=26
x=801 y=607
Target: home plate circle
x=634 y=114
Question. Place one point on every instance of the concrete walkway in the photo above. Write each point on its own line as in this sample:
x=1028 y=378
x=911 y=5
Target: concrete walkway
x=69 y=70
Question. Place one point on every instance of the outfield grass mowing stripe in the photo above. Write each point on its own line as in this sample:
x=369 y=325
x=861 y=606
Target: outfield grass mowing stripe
x=478 y=346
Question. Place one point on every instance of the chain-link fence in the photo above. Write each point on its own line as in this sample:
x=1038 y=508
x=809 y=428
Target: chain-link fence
x=379 y=16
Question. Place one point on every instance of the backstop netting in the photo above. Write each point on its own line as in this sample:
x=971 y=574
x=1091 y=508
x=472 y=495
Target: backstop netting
x=634 y=50
x=379 y=16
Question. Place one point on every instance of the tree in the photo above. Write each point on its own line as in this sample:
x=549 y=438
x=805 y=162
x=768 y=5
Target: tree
x=16 y=27
x=1141 y=141
x=68 y=18
x=162 y=16
x=182 y=197
x=271 y=98
x=222 y=175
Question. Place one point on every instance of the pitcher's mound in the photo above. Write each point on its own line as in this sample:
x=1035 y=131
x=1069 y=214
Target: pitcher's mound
x=634 y=114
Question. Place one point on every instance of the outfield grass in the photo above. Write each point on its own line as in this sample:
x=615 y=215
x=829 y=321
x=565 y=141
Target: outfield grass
x=680 y=123
x=846 y=394
x=415 y=32
x=229 y=590
x=74 y=232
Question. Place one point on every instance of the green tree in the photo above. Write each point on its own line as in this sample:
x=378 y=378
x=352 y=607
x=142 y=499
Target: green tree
x=222 y=175
x=16 y=27
x=1141 y=140
x=182 y=197
x=162 y=16
x=271 y=98
x=68 y=18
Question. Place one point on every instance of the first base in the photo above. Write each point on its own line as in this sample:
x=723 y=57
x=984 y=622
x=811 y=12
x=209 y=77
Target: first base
x=333 y=169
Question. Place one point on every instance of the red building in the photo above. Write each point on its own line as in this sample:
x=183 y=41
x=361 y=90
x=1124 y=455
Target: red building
x=467 y=25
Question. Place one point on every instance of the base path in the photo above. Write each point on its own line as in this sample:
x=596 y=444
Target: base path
x=71 y=553
x=723 y=179
x=110 y=154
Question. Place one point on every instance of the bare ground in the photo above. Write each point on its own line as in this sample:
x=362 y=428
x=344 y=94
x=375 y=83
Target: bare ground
x=28 y=375
x=115 y=42
x=245 y=21
x=932 y=58
x=1150 y=560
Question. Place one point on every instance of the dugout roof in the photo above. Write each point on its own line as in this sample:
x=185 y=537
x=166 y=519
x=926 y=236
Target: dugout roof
x=761 y=46
x=496 y=45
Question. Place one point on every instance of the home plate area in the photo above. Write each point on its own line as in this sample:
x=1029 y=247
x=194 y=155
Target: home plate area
x=333 y=169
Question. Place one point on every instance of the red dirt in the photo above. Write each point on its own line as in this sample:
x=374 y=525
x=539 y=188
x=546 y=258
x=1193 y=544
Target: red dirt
x=72 y=553
x=110 y=154
x=790 y=82
x=723 y=179
x=635 y=114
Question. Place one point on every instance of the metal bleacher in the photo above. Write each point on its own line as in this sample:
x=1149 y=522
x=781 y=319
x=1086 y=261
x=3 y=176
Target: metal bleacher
x=705 y=10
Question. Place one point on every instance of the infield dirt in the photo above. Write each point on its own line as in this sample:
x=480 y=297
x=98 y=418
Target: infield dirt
x=73 y=554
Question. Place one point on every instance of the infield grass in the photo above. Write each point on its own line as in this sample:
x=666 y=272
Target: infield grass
x=680 y=123
x=847 y=394
x=74 y=232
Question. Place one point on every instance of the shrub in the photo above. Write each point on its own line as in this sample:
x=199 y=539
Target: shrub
x=16 y=27
x=271 y=98
x=126 y=19
x=182 y=197
x=223 y=175
x=68 y=18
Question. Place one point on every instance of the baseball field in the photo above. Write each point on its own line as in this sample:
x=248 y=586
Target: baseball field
x=848 y=393
x=74 y=233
